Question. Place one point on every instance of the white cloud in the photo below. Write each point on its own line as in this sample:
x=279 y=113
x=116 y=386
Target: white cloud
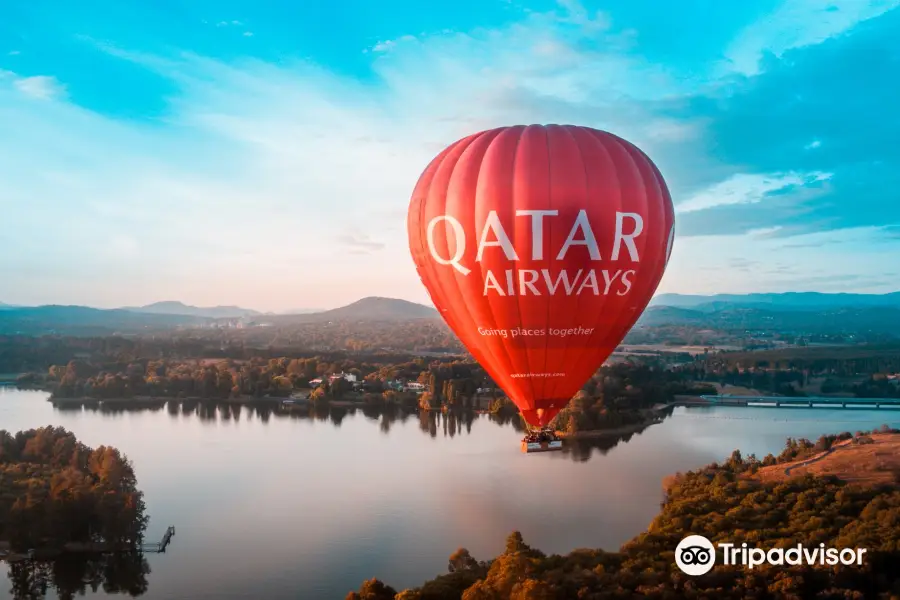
x=261 y=179
x=384 y=46
x=14 y=53
x=388 y=45
x=668 y=130
x=248 y=34
x=764 y=231
x=40 y=86
x=798 y=23
x=746 y=188
x=359 y=241
x=578 y=15
x=854 y=259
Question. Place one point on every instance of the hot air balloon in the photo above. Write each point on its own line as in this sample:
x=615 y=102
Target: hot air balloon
x=541 y=246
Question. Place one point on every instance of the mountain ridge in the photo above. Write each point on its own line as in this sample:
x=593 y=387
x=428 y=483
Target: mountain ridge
x=85 y=320
x=381 y=307
x=807 y=300
x=176 y=307
x=807 y=311
x=778 y=300
x=370 y=308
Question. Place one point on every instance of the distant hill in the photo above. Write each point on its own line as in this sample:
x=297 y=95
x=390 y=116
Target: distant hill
x=375 y=307
x=81 y=320
x=785 y=301
x=787 y=313
x=172 y=307
x=877 y=319
x=372 y=308
x=671 y=315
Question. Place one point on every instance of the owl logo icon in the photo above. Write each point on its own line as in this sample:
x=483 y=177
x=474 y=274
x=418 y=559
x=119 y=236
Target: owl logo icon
x=695 y=555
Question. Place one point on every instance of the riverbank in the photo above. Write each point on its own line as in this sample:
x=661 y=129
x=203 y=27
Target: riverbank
x=8 y=555
x=281 y=402
x=163 y=399
x=612 y=431
x=648 y=417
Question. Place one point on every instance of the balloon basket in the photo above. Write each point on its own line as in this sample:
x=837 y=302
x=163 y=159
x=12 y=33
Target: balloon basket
x=544 y=440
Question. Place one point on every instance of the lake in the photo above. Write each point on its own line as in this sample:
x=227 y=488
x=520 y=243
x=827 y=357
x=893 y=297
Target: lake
x=271 y=506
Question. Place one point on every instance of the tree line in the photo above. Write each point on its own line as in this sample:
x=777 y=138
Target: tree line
x=614 y=396
x=188 y=366
x=841 y=361
x=21 y=353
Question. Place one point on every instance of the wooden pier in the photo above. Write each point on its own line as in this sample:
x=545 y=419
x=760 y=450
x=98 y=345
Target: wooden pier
x=794 y=402
x=162 y=544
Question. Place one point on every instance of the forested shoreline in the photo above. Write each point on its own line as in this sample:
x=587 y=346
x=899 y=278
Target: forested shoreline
x=619 y=395
x=723 y=502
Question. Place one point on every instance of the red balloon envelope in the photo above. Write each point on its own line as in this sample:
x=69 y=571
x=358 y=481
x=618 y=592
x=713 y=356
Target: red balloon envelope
x=541 y=246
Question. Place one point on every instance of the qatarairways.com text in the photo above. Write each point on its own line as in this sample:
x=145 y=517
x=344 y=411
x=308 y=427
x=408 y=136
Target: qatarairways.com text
x=520 y=375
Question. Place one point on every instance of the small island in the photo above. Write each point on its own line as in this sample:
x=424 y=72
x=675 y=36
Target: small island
x=59 y=495
x=842 y=490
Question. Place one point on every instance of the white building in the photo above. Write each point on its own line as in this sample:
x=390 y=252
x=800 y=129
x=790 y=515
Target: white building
x=349 y=377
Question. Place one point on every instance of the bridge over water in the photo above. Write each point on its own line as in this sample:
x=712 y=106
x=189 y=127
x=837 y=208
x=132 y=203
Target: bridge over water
x=794 y=402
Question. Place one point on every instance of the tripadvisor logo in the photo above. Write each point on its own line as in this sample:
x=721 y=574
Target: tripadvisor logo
x=695 y=555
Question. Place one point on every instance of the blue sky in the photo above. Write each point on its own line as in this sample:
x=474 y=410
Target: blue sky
x=262 y=154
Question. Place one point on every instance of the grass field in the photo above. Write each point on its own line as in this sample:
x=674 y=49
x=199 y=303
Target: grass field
x=867 y=464
x=736 y=390
x=693 y=350
x=862 y=351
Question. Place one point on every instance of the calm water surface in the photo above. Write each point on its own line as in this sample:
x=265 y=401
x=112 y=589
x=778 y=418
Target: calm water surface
x=276 y=507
